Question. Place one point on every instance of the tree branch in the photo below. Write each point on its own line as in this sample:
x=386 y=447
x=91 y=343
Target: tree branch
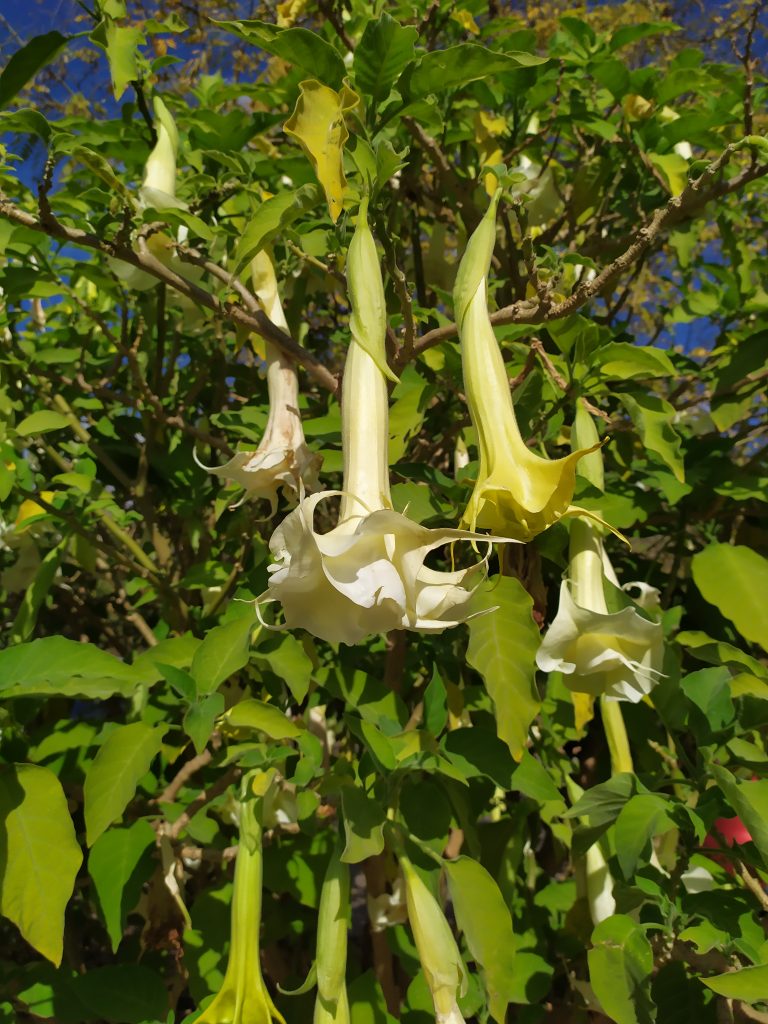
x=253 y=320
x=691 y=199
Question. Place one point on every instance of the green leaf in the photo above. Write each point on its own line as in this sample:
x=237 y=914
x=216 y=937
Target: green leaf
x=435 y=704
x=603 y=803
x=484 y=917
x=119 y=866
x=750 y=984
x=255 y=714
x=628 y=34
x=123 y=994
x=36 y=593
x=674 y=169
x=55 y=665
x=709 y=689
x=30 y=121
x=300 y=47
x=621 y=360
x=199 y=719
x=121 y=45
x=718 y=652
x=224 y=651
x=42 y=422
x=39 y=856
x=290 y=662
x=181 y=681
x=643 y=816
x=270 y=219
x=363 y=825
x=749 y=801
x=732 y=577
x=502 y=648
x=123 y=758
x=620 y=966
x=532 y=779
x=458 y=65
x=383 y=51
x=26 y=62
x=653 y=418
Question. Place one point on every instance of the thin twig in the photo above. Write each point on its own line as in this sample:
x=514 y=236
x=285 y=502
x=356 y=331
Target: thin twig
x=254 y=320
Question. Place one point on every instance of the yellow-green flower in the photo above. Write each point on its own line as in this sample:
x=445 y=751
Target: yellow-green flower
x=517 y=493
x=243 y=997
x=282 y=459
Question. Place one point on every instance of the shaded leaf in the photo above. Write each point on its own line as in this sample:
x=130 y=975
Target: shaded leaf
x=118 y=867
x=26 y=62
x=502 y=648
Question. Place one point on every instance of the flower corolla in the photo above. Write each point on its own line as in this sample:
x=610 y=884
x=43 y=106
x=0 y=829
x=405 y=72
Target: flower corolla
x=517 y=493
x=617 y=655
x=282 y=460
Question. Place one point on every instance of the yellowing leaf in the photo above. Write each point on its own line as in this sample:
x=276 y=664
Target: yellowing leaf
x=317 y=122
x=487 y=129
x=583 y=709
x=674 y=170
x=29 y=508
x=466 y=21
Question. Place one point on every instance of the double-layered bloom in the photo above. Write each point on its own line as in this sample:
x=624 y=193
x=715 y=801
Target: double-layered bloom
x=367 y=574
x=617 y=655
x=440 y=958
x=517 y=493
x=243 y=997
x=282 y=459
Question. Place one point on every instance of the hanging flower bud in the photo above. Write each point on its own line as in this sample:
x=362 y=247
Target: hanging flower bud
x=367 y=575
x=331 y=1006
x=158 y=190
x=440 y=958
x=517 y=493
x=282 y=459
x=243 y=997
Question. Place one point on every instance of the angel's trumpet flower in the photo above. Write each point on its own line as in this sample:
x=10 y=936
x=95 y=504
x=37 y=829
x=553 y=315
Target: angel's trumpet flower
x=282 y=459
x=367 y=574
x=612 y=654
x=243 y=997
x=517 y=493
x=616 y=655
x=440 y=958
x=331 y=1005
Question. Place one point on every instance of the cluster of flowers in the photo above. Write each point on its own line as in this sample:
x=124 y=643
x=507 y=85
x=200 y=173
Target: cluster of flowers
x=367 y=575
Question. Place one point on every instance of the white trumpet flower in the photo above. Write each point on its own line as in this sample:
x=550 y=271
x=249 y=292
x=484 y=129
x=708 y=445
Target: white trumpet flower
x=282 y=460
x=617 y=655
x=367 y=574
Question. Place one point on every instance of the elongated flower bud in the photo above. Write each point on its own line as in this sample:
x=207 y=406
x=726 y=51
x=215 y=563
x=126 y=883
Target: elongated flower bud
x=160 y=169
x=439 y=955
x=331 y=958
